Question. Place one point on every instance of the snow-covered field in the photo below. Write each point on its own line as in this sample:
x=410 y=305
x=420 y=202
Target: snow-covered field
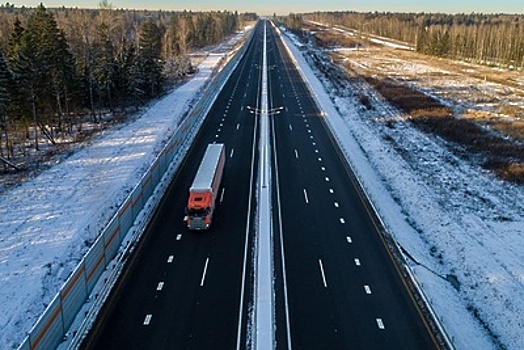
x=453 y=218
x=463 y=227
x=48 y=223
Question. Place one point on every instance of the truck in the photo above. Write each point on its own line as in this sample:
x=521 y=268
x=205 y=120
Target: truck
x=204 y=190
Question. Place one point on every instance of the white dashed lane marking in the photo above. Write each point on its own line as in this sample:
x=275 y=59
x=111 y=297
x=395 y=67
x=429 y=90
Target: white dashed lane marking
x=322 y=273
x=380 y=323
x=202 y=281
x=147 y=320
x=306 y=197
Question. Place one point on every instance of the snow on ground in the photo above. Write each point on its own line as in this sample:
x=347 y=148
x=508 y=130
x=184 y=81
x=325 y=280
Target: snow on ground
x=458 y=222
x=372 y=38
x=461 y=85
x=453 y=218
x=48 y=223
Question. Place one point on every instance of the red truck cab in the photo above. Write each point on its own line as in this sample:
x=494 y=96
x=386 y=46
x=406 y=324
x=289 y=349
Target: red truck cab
x=204 y=190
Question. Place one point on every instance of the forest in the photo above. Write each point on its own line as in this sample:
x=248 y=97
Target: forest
x=62 y=67
x=491 y=39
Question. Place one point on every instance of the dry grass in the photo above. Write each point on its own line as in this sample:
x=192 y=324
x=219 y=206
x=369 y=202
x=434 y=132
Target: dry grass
x=512 y=172
x=330 y=40
x=504 y=156
x=514 y=129
x=492 y=134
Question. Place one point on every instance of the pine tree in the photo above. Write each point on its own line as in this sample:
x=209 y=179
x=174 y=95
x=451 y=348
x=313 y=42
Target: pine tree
x=104 y=70
x=5 y=82
x=127 y=78
x=188 y=37
x=5 y=99
x=15 y=38
x=150 y=65
x=44 y=71
x=27 y=77
x=18 y=109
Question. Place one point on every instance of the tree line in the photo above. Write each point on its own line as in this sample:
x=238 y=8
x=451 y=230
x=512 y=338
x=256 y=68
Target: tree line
x=61 y=66
x=493 y=39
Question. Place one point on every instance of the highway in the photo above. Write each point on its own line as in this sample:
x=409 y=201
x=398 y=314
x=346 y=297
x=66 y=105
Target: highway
x=337 y=286
x=335 y=282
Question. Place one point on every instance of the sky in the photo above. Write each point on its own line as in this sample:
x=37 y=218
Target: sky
x=268 y=7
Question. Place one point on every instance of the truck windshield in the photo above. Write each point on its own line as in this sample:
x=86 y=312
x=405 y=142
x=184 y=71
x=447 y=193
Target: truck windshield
x=199 y=212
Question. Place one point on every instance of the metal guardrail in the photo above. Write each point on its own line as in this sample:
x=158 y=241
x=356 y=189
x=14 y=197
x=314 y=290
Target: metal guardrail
x=135 y=212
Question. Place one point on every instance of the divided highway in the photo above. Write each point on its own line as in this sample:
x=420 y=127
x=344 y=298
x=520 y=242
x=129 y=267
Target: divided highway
x=335 y=283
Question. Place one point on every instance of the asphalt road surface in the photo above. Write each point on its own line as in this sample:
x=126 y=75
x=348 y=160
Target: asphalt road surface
x=336 y=286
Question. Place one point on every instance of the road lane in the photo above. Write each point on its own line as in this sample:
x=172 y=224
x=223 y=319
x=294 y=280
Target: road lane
x=201 y=303
x=331 y=246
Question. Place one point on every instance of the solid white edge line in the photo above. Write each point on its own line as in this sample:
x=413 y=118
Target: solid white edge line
x=322 y=273
x=204 y=273
x=248 y=225
x=281 y=234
